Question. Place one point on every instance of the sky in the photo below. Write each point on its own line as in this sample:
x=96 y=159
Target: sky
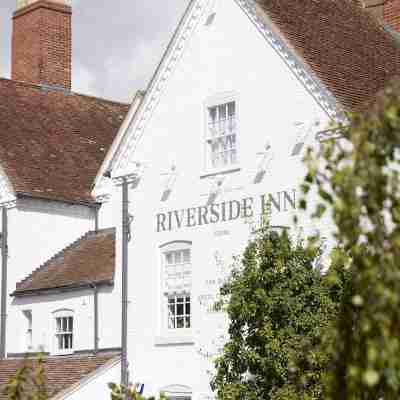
x=117 y=44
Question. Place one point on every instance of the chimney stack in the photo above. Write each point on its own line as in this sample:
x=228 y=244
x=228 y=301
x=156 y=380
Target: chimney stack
x=391 y=14
x=385 y=11
x=42 y=42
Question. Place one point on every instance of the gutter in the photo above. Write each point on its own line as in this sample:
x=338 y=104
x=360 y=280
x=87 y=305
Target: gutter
x=61 y=289
x=89 y=204
x=96 y=317
x=4 y=288
x=124 y=321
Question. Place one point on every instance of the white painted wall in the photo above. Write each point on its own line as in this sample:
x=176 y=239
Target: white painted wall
x=108 y=214
x=81 y=303
x=228 y=57
x=37 y=231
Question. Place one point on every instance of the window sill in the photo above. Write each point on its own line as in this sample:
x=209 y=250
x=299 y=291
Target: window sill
x=225 y=171
x=174 y=340
x=63 y=353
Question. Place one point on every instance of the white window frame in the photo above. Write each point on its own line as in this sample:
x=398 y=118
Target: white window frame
x=169 y=335
x=215 y=101
x=64 y=313
x=179 y=299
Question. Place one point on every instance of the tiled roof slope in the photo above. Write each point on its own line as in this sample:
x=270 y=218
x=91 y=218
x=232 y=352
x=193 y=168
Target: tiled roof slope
x=348 y=50
x=52 y=142
x=60 y=372
x=91 y=259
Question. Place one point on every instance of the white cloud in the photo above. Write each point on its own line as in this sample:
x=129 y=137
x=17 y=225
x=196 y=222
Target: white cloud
x=117 y=44
x=131 y=72
x=84 y=80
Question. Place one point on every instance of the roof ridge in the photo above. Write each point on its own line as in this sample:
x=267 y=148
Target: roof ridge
x=69 y=92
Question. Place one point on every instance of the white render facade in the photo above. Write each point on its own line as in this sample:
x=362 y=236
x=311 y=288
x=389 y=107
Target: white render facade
x=220 y=133
x=37 y=230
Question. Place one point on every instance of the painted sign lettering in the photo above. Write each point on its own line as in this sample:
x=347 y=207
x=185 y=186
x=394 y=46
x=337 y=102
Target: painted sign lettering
x=225 y=211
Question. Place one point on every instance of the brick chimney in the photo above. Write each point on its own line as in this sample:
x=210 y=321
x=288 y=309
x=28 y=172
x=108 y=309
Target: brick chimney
x=41 y=42
x=391 y=13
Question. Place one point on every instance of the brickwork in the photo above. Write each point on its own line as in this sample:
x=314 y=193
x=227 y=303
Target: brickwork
x=41 y=44
x=392 y=14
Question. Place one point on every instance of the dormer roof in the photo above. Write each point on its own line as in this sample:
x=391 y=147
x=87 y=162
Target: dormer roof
x=88 y=262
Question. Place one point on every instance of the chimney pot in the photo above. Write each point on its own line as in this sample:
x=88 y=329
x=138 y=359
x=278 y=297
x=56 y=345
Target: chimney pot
x=24 y=3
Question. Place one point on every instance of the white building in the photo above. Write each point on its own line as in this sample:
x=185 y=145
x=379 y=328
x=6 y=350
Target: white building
x=242 y=89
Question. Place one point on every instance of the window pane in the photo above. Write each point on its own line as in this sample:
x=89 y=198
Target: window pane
x=179 y=309
x=186 y=256
x=231 y=109
x=187 y=322
x=212 y=113
x=177 y=257
x=233 y=157
x=169 y=258
x=59 y=342
x=180 y=322
x=222 y=112
x=231 y=140
x=187 y=308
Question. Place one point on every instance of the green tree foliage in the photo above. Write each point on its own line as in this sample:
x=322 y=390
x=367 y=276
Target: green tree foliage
x=357 y=180
x=279 y=306
x=121 y=393
x=29 y=382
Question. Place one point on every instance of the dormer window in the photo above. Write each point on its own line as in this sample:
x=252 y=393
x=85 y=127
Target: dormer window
x=221 y=137
x=64 y=331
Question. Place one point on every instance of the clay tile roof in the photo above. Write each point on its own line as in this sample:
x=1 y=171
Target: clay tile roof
x=60 y=372
x=347 y=49
x=52 y=142
x=89 y=260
